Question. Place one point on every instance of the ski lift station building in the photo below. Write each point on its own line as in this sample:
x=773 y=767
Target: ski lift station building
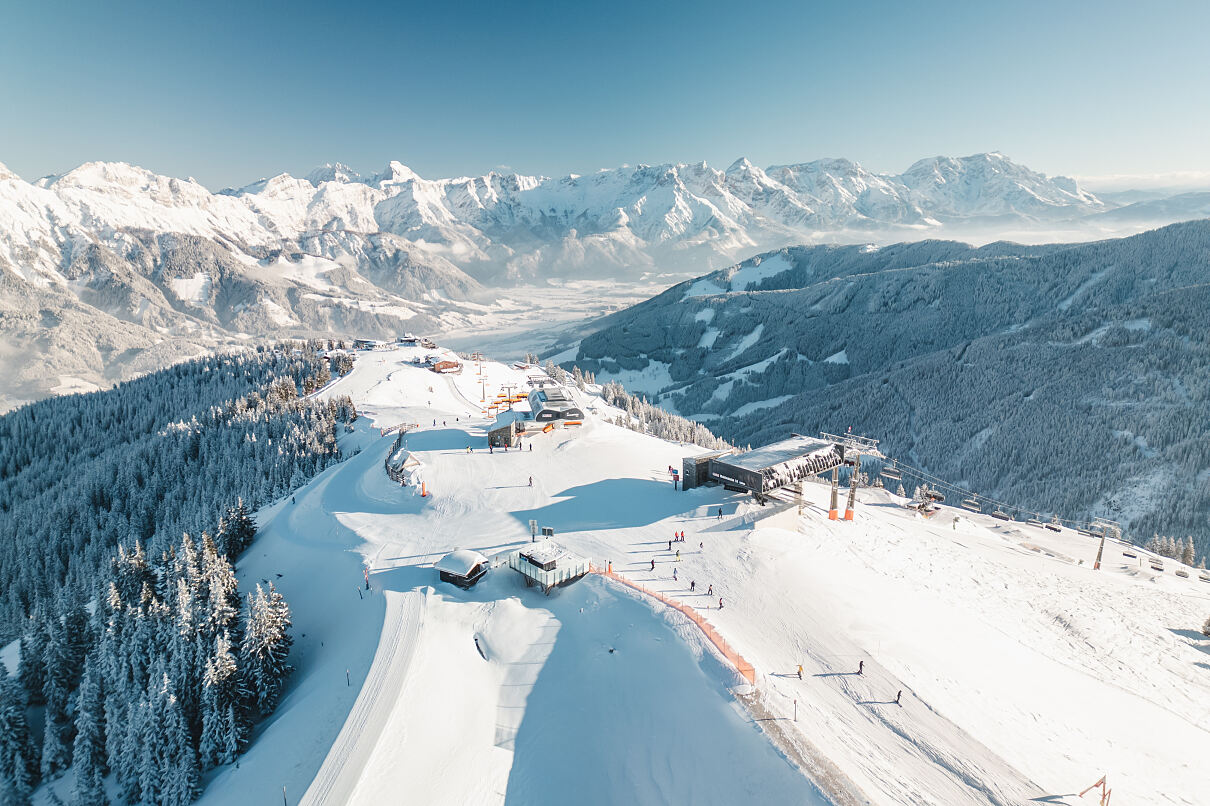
x=766 y=469
x=547 y=565
x=550 y=403
x=462 y=567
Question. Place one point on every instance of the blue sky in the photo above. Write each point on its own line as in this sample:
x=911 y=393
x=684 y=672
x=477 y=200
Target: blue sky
x=229 y=92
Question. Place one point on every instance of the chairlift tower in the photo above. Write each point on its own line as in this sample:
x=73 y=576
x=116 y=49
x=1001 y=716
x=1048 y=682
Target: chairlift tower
x=856 y=446
x=1107 y=528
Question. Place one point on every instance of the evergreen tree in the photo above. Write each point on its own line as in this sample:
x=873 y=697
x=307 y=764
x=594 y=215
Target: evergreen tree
x=236 y=531
x=18 y=761
x=88 y=757
x=222 y=736
x=56 y=691
x=222 y=592
x=78 y=639
x=265 y=648
x=32 y=669
x=128 y=764
x=178 y=770
x=1206 y=627
x=1188 y=555
x=902 y=493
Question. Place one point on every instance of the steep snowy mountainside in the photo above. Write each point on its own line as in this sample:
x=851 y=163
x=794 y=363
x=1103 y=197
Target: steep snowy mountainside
x=110 y=270
x=990 y=185
x=1071 y=376
x=379 y=252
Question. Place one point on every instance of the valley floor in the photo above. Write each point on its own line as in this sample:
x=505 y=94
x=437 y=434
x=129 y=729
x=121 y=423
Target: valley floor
x=1024 y=673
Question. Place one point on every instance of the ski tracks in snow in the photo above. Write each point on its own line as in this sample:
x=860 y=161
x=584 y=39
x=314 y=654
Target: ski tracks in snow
x=341 y=769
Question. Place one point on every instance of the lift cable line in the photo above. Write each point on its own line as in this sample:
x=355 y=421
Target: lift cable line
x=1096 y=525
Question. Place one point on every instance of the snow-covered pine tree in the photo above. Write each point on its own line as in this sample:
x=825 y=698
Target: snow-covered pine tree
x=222 y=735
x=902 y=493
x=32 y=668
x=265 y=648
x=88 y=756
x=179 y=776
x=18 y=759
x=236 y=531
x=1169 y=547
x=1206 y=627
x=78 y=638
x=1188 y=553
x=222 y=592
x=56 y=691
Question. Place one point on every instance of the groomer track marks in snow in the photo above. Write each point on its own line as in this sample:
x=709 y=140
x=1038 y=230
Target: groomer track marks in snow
x=999 y=650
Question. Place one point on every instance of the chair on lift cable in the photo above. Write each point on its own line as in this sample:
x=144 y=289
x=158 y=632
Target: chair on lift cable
x=1001 y=515
x=891 y=473
x=972 y=504
x=1054 y=524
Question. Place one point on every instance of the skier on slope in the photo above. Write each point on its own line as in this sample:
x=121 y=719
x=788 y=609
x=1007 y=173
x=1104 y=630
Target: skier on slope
x=720 y=513
x=897 y=696
x=860 y=667
x=800 y=671
x=531 y=481
x=674 y=575
x=720 y=603
x=652 y=563
x=709 y=590
x=678 y=555
x=670 y=545
x=692 y=585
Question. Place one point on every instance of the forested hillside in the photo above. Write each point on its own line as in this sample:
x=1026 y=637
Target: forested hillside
x=1070 y=379
x=145 y=660
x=149 y=461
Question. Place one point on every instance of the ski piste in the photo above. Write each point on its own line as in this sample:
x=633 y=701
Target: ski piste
x=1024 y=673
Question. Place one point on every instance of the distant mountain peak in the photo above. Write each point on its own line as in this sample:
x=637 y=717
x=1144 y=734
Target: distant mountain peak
x=333 y=172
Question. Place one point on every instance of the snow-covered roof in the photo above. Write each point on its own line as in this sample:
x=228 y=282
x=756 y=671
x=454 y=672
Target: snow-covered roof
x=459 y=562
x=778 y=452
x=403 y=458
x=545 y=551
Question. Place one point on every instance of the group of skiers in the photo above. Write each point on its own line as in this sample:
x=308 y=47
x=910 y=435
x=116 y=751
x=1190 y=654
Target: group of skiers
x=860 y=671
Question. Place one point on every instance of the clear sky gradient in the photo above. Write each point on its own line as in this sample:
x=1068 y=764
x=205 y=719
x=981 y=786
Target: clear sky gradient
x=230 y=92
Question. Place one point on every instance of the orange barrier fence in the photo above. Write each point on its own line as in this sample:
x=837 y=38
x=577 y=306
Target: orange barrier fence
x=742 y=666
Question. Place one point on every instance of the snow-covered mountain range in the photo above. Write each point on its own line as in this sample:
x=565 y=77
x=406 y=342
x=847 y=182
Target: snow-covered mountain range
x=111 y=269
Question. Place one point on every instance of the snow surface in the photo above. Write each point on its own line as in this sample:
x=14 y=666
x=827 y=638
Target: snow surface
x=841 y=357
x=1025 y=674
x=754 y=272
x=195 y=289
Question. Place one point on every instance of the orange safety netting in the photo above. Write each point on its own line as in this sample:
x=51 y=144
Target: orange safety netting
x=742 y=666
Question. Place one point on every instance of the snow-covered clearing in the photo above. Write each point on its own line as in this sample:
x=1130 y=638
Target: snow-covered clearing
x=1025 y=674
x=757 y=271
x=193 y=289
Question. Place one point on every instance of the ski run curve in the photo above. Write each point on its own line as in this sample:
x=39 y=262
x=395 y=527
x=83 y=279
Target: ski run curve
x=1024 y=673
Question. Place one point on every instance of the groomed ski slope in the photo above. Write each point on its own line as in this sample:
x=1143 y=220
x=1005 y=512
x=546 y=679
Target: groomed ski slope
x=1024 y=673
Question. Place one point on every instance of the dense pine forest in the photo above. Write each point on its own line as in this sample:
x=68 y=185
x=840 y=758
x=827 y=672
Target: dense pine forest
x=121 y=515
